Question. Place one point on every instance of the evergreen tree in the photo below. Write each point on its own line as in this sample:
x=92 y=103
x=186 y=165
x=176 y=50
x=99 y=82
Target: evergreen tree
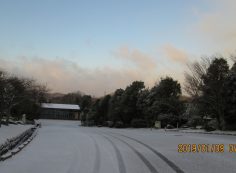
x=115 y=107
x=212 y=100
x=230 y=99
x=129 y=101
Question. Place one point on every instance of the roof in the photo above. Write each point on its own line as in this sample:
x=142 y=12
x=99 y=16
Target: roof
x=60 y=106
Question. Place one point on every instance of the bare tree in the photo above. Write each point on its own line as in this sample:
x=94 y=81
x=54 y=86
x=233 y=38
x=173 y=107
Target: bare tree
x=233 y=58
x=193 y=77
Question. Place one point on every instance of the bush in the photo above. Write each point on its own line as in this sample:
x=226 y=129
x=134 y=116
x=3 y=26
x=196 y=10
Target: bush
x=211 y=125
x=83 y=117
x=168 y=119
x=209 y=128
x=30 y=122
x=90 y=123
x=169 y=126
x=108 y=124
x=195 y=120
x=119 y=124
x=138 y=123
x=3 y=122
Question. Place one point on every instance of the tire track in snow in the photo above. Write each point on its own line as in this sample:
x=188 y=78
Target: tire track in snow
x=151 y=168
x=97 y=161
x=73 y=165
x=170 y=163
x=120 y=160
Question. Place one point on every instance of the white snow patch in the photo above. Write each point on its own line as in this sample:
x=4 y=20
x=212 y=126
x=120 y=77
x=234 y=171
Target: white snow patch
x=12 y=130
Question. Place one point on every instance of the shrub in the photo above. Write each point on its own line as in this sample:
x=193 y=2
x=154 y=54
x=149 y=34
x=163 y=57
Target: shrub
x=138 y=123
x=119 y=124
x=211 y=125
x=108 y=124
x=195 y=120
x=167 y=119
x=90 y=123
x=209 y=128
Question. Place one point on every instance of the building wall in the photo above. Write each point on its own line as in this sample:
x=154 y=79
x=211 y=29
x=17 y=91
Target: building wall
x=59 y=114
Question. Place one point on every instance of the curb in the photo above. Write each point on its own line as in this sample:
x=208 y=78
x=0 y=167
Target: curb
x=17 y=149
x=6 y=156
x=210 y=133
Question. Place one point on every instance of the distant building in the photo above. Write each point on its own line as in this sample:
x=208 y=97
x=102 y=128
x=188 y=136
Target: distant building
x=59 y=111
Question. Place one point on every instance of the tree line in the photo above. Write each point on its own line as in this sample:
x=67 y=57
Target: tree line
x=20 y=96
x=210 y=84
x=137 y=106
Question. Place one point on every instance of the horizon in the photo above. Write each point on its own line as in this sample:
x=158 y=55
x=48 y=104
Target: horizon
x=97 y=47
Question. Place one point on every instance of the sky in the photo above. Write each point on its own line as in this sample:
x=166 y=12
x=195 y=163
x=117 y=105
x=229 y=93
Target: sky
x=97 y=47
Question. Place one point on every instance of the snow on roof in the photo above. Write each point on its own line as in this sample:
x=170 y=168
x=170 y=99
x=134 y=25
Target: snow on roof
x=60 y=106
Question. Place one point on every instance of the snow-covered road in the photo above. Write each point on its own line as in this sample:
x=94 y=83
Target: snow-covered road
x=65 y=147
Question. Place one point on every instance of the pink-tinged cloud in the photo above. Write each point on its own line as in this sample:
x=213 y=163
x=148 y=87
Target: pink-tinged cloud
x=175 y=54
x=61 y=75
x=140 y=59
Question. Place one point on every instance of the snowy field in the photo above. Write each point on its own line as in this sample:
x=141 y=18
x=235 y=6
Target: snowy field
x=66 y=147
x=12 y=130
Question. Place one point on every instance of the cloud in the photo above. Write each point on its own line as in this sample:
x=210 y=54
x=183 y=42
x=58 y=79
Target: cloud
x=61 y=75
x=216 y=28
x=140 y=59
x=174 y=53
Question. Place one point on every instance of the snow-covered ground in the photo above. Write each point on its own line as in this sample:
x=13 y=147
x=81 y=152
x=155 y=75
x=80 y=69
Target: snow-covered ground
x=11 y=130
x=65 y=147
